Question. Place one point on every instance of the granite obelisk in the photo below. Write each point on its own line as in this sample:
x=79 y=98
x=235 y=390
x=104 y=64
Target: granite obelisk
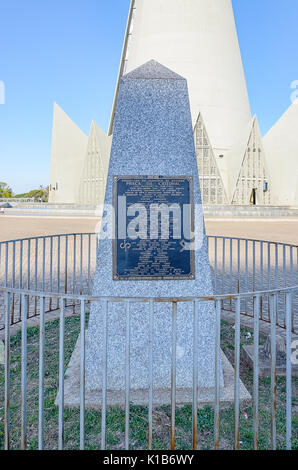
x=152 y=144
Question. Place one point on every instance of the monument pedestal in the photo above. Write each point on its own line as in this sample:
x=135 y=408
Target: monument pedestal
x=160 y=396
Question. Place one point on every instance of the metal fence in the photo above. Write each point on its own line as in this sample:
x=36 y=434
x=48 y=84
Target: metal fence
x=40 y=275
x=236 y=299
x=20 y=200
x=66 y=264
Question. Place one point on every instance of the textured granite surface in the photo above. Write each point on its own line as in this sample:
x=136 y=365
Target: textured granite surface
x=152 y=136
x=93 y=398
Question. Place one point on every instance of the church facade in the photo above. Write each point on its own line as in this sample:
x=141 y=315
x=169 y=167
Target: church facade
x=198 y=40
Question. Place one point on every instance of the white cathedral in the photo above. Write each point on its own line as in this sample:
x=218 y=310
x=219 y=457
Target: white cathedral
x=198 y=40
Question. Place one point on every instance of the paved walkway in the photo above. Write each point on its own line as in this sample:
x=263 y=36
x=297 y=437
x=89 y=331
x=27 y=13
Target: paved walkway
x=281 y=230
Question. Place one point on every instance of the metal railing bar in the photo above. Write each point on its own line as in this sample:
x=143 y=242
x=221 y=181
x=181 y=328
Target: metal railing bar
x=127 y=375
x=231 y=266
x=7 y=373
x=51 y=264
x=89 y=261
x=237 y=375
x=256 y=372
x=28 y=264
x=95 y=234
x=289 y=371
x=58 y=262
x=21 y=276
x=66 y=265
x=195 y=377
x=238 y=266
x=41 y=375
x=24 y=375
x=6 y=264
x=13 y=264
x=273 y=369
x=82 y=376
x=173 y=374
x=81 y=264
x=246 y=272
x=254 y=266
x=104 y=375
x=261 y=273
x=51 y=270
x=36 y=263
x=215 y=263
x=90 y=298
x=43 y=263
x=150 y=374
x=61 y=377
x=269 y=264
x=291 y=277
x=223 y=264
x=74 y=262
x=217 y=376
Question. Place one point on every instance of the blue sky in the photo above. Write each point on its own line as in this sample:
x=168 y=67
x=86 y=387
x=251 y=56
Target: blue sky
x=68 y=51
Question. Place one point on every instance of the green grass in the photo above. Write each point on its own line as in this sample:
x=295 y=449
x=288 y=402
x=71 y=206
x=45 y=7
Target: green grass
x=138 y=417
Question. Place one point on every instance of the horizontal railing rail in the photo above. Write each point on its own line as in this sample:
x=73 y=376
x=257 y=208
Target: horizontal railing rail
x=202 y=298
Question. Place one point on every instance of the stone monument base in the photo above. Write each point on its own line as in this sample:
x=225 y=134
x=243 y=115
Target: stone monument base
x=265 y=363
x=160 y=396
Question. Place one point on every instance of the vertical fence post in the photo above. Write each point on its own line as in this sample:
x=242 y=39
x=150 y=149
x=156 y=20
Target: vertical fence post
x=150 y=408
x=89 y=262
x=173 y=374
x=231 y=266
x=273 y=369
x=238 y=266
x=256 y=372
x=24 y=376
x=261 y=276
x=66 y=266
x=82 y=377
x=237 y=374
x=223 y=265
x=36 y=265
x=289 y=369
x=43 y=263
x=104 y=375
x=292 y=278
x=6 y=264
x=41 y=375
x=13 y=278
x=51 y=264
x=127 y=375
x=81 y=263
x=254 y=266
x=246 y=275
x=215 y=264
x=217 y=377
x=74 y=262
x=61 y=375
x=20 y=275
x=7 y=371
x=29 y=264
x=58 y=263
x=231 y=269
x=195 y=377
x=51 y=270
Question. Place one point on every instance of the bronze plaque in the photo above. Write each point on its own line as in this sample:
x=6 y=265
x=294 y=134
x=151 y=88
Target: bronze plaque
x=152 y=214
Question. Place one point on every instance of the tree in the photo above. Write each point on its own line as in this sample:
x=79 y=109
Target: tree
x=5 y=191
x=38 y=194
